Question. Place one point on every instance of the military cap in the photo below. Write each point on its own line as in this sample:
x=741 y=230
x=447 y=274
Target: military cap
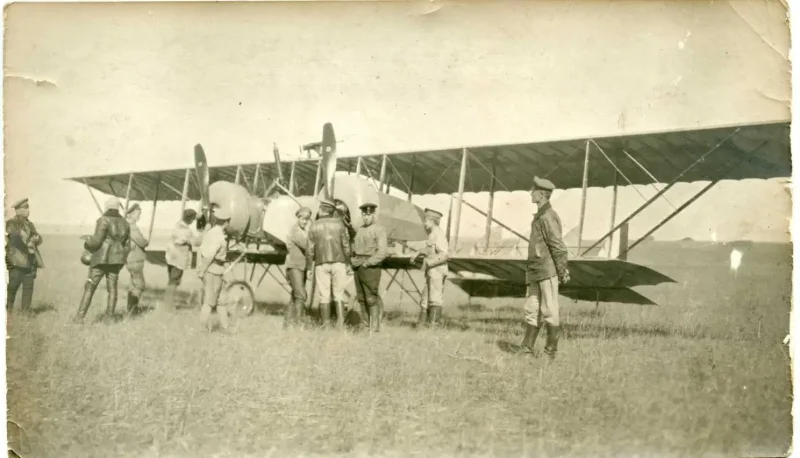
x=133 y=208
x=432 y=212
x=543 y=184
x=113 y=203
x=23 y=203
x=221 y=213
x=368 y=208
x=302 y=211
x=327 y=204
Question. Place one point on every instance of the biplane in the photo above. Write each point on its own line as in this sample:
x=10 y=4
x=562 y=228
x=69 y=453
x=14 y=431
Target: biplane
x=263 y=200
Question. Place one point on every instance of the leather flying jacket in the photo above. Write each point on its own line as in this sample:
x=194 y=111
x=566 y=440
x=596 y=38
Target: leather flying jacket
x=547 y=253
x=22 y=242
x=328 y=242
x=110 y=242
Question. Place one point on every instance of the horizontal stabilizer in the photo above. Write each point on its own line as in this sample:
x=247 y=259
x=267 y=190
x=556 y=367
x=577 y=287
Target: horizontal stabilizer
x=594 y=273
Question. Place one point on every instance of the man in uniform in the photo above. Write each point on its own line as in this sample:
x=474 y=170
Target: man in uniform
x=370 y=248
x=109 y=246
x=329 y=255
x=22 y=255
x=211 y=267
x=136 y=259
x=179 y=253
x=295 y=266
x=434 y=265
x=547 y=267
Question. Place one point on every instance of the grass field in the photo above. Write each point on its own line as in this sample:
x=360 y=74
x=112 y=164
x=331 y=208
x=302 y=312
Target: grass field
x=705 y=373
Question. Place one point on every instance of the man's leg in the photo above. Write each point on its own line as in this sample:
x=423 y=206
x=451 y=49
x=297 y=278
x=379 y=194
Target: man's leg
x=550 y=314
x=222 y=309
x=27 y=289
x=174 y=279
x=435 y=297
x=297 y=283
x=338 y=284
x=322 y=278
x=212 y=285
x=422 y=320
x=532 y=312
x=89 y=287
x=362 y=300
x=136 y=288
x=112 y=281
x=371 y=279
x=15 y=278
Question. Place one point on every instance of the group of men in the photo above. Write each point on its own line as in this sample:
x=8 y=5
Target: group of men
x=329 y=248
x=334 y=252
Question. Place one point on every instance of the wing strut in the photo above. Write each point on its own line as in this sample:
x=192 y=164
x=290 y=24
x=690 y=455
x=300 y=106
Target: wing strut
x=155 y=204
x=91 y=193
x=128 y=193
x=663 y=191
x=583 y=194
x=461 y=179
x=692 y=199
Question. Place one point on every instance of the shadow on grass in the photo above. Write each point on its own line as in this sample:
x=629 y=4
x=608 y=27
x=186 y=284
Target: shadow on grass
x=41 y=308
x=513 y=326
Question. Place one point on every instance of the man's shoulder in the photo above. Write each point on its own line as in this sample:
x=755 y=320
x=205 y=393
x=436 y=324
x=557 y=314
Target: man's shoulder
x=551 y=215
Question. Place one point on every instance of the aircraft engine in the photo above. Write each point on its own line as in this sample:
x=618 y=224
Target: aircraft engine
x=238 y=202
x=402 y=219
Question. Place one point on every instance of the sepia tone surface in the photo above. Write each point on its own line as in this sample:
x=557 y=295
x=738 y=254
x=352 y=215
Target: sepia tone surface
x=95 y=89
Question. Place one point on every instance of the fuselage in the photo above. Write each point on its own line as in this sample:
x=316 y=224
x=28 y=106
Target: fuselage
x=402 y=219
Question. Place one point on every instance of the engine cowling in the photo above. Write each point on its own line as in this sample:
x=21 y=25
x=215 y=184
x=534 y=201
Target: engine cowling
x=279 y=215
x=246 y=211
x=402 y=219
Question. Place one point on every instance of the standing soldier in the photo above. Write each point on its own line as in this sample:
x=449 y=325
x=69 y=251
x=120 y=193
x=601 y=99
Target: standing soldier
x=295 y=266
x=22 y=255
x=329 y=255
x=211 y=267
x=109 y=246
x=434 y=265
x=547 y=267
x=369 y=250
x=136 y=259
x=179 y=253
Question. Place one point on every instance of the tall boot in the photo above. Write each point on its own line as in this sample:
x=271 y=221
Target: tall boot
x=531 y=332
x=325 y=314
x=552 y=341
x=332 y=305
x=374 y=319
x=422 y=320
x=133 y=304
x=112 y=300
x=435 y=315
x=86 y=301
x=339 y=314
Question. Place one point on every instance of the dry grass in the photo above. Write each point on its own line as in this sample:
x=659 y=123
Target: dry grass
x=704 y=374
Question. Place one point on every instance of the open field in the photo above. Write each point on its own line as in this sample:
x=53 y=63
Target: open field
x=704 y=373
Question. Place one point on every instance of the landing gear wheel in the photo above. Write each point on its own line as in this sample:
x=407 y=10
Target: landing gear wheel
x=240 y=299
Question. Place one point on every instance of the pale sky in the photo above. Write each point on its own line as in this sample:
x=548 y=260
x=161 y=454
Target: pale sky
x=126 y=87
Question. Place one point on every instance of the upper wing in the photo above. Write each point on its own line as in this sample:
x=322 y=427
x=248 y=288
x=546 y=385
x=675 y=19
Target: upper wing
x=759 y=151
